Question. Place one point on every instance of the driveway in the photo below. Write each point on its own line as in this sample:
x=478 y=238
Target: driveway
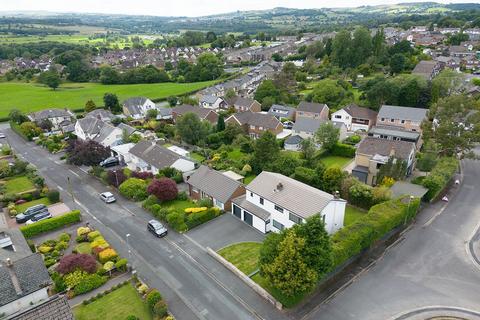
x=224 y=231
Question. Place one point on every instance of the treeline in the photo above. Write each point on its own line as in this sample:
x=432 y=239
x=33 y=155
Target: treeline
x=36 y=49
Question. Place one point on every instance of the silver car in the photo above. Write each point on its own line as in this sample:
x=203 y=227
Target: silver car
x=107 y=197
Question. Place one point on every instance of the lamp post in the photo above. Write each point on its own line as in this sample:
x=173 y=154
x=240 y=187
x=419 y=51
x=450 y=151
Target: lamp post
x=128 y=248
x=408 y=210
x=70 y=188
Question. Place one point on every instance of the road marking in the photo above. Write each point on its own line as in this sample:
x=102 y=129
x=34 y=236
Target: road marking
x=60 y=188
x=195 y=242
x=209 y=274
x=78 y=176
x=429 y=222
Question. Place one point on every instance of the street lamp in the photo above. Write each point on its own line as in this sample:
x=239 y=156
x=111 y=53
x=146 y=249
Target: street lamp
x=70 y=188
x=408 y=209
x=128 y=248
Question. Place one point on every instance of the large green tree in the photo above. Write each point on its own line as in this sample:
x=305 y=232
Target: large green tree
x=50 y=78
x=265 y=151
x=191 y=129
x=110 y=101
x=362 y=46
x=342 y=47
x=331 y=92
x=327 y=135
x=445 y=84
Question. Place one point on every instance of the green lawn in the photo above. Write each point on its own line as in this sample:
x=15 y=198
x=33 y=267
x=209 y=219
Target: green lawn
x=236 y=154
x=18 y=185
x=118 y=304
x=24 y=206
x=330 y=161
x=84 y=248
x=197 y=157
x=352 y=214
x=249 y=179
x=29 y=97
x=179 y=205
x=243 y=255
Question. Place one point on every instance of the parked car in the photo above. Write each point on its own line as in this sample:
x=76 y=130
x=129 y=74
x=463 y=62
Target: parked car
x=2 y=135
x=30 y=212
x=107 y=197
x=288 y=125
x=157 y=228
x=109 y=162
x=39 y=217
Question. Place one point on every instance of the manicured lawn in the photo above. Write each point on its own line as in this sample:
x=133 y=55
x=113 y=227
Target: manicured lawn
x=330 y=161
x=118 y=304
x=84 y=248
x=179 y=205
x=24 y=206
x=236 y=154
x=352 y=214
x=18 y=185
x=243 y=255
x=197 y=157
x=287 y=302
x=29 y=97
x=249 y=179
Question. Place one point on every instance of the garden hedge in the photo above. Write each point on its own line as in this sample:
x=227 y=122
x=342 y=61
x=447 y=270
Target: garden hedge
x=343 y=150
x=439 y=177
x=380 y=219
x=50 y=224
x=134 y=189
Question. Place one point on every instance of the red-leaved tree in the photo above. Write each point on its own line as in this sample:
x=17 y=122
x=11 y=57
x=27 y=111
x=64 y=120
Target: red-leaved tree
x=144 y=175
x=72 y=262
x=116 y=177
x=87 y=153
x=164 y=189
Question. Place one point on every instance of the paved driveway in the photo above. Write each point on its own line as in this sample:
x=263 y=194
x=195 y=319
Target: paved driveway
x=223 y=231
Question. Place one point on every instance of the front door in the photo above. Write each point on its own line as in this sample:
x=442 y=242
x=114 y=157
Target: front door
x=247 y=217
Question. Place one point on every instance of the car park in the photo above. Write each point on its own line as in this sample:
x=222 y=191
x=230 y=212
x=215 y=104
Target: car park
x=39 y=217
x=157 y=228
x=109 y=162
x=107 y=197
x=30 y=212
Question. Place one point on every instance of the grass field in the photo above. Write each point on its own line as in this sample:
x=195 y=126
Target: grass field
x=18 y=185
x=352 y=214
x=118 y=304
x=24 y=206
x=243 y=255
x=29 y=97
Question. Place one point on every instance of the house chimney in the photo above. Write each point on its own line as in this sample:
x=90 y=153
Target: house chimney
x=279 y=186
x=336 y=195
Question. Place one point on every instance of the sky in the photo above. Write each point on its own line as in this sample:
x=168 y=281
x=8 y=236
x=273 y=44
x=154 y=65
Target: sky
x=189 y=8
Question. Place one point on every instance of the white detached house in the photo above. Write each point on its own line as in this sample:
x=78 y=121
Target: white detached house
x=273 y=202
x=138 y=107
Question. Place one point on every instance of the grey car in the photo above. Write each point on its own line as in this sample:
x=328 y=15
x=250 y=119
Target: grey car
x=157 y=228
x=30 y=212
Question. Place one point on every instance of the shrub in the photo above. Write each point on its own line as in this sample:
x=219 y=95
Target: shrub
x=65 y=237
x=50 y=224
x=134 y=188
x=72 y=262
x=177 y=220
x=97 y=171
x=439 y=177
x=151 y=200
x=74 y=278
x=108 y=254
x=53 y=196
x=61 y=245
x=94 y=234
x=89 y=283
x=205 y=202
x=343 y=150
x=152 y=298
x=195 y=210
x=115 y=177
x=99 y=242
x=160 y=309
x=182 y=196
x=44 y=249
x=162 y=213
x=108 y=265
x=59 y=283
x=195 y=219
x=164 y=189
x=121 y=265
x=83 y=231
x=142 y=175
x=171 y=173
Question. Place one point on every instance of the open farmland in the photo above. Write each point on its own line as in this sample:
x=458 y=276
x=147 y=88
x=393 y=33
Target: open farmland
x=29 y=97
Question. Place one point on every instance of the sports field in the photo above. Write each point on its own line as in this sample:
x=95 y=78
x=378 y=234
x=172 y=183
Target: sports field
x=29 y=97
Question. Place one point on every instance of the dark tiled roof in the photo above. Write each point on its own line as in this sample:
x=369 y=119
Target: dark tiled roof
x=359 y=112
x=372 y=146
x=51 y=113
x=101 y=114
x=424 y=67
x=153 y=154
x=55 y=308
x=186 y=108
x=394 y=132
x=311 y=107
x=294 y=140
x=25 y=276
x=243 y=102
x=214 y=183
x=311 y=125
x=282 y=111
x=257 y=119
x=91 y=126
x=135 y=101
x=126 y=127
x=402 y=113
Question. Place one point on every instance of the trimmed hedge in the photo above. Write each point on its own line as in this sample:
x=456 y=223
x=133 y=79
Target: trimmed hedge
x=89 y=283
x=439 y=177
x=16 y=127
x=195 y=219
x=380 y=219
x=50 y=224
x=343 y=150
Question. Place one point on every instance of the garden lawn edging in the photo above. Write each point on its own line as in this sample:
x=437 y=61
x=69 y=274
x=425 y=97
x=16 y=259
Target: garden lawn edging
x=252 y=284
x=50 y=224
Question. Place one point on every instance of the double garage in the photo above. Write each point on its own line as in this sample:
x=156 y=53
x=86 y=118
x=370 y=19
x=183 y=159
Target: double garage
x=250 y=214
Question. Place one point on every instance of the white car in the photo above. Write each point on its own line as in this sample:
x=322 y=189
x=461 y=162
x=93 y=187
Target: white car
x=2 y=135
x=39 y=217
x=107 y=197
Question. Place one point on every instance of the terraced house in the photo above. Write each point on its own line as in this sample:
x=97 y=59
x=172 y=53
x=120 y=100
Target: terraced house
x=273 y=202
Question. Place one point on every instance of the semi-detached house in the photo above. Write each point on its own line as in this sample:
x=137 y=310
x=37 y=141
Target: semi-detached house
x=273 y=202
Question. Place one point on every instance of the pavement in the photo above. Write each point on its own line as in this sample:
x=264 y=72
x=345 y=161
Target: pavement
x=430 y=268
x=224 y=231
x=194 y=285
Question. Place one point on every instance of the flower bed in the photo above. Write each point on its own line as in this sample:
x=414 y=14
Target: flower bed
x=52 y=250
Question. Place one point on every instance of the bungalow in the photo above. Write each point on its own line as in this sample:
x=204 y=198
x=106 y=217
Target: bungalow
x=214 y=185
x=409 y=119
x=149 y=156
x=212 y=102
x=355 y=118
x=427 y=69
x=307 y=127
x=312 y=110
x=282 y=112
x=255 y=124
x=203 y=113
x=372 y=153
x=101 y=114
x=244 y=104
x=57 y=117
x=273 y=202
x=164 y=113
x=137 y=107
